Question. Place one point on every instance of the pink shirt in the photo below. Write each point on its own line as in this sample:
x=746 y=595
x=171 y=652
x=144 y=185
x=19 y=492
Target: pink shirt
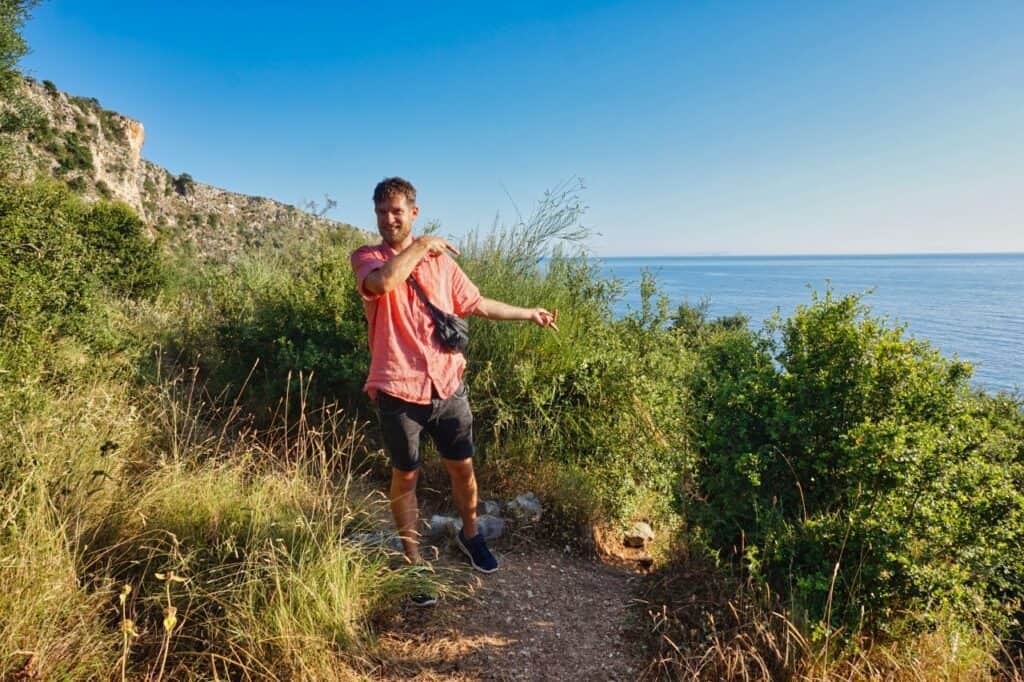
x=406 y=359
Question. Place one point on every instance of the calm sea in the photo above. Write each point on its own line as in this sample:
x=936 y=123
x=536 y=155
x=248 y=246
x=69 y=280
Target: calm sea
x=966 y=305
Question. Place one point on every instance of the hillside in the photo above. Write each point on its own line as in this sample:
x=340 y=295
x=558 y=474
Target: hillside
x=98 y=153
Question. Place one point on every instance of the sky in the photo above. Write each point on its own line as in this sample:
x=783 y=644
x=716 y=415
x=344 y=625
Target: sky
x=694 y=128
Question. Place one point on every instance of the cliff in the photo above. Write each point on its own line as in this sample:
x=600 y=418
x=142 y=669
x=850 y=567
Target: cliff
x=98 y=153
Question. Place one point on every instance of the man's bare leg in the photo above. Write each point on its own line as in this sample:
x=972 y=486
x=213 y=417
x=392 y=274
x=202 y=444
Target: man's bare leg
x=464 y=492
x=405 y=511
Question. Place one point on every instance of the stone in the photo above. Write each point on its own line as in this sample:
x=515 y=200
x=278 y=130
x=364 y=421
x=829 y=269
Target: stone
x=491 y=527
x=216 y=222
x=489 y=507
x=638 y=535
x=378 y=539
x=526 y=507
x=440 y=526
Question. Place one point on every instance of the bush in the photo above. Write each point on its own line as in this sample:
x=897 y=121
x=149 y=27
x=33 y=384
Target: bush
x=57 y=253
x=44 y=282
x=851 y=467
x=124 y=259
x=283 y=313
x=183 y=184
x=73 y=155
x=103 y=189
x=601 y=399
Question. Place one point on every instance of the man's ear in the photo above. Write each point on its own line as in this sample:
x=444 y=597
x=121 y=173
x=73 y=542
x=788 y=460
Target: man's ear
x=415 y=211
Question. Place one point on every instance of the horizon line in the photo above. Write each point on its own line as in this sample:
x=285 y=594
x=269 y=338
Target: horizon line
x=858 y=254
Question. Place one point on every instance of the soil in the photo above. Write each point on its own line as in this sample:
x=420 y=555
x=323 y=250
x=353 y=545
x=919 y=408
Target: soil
x=544 y=615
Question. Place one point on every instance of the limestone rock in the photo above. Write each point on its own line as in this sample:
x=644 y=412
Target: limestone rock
x=638 y=535
x=526 y=507
x=98 y=152
x=441 y=526
x=378 y=539
x=489 y=507
x=491 y=527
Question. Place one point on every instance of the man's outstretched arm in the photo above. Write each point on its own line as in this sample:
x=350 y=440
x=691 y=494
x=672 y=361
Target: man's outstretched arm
x=497 y=310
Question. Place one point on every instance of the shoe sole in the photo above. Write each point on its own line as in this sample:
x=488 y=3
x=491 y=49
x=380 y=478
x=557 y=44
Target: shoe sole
x=421 y=604
x=458 y=541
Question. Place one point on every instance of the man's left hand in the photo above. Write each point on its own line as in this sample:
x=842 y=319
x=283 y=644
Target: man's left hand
x=543 y=318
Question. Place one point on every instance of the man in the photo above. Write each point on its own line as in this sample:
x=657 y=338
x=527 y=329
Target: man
x=415 y=382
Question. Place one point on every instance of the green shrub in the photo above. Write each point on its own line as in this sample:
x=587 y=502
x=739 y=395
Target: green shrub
x=73 y=155
x=85 y=103
x=851 y=467
x=285 y=313
x=603 y=399
x=56 y=254
x=103 y=189
x=183 y=184
x=44 y=281
x=124 y=259
x=111 y=124
x=77 y=184
x=13 y=14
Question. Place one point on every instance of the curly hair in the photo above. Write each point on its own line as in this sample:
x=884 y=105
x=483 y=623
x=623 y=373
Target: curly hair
x=389 y=187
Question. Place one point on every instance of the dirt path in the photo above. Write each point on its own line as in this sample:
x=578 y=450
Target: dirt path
x=543 y=615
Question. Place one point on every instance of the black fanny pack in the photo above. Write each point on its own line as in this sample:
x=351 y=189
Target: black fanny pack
x=452 y=331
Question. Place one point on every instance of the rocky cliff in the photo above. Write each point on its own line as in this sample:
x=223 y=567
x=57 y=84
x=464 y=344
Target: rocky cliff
x=98 y=153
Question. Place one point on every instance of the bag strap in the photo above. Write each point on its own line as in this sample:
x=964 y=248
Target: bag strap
x=435 y=312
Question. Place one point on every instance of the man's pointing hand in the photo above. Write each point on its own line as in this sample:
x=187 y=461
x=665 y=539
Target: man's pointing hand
x=435 y=246
x=543 y=318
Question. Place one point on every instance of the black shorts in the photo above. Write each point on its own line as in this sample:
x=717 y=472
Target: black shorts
x=449 y=422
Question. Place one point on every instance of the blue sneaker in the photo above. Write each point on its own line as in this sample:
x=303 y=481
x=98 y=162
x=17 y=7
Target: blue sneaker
x=423 y=599
x=476 y=549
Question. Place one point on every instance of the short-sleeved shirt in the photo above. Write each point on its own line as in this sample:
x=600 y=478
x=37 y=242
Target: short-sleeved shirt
x=407 y=361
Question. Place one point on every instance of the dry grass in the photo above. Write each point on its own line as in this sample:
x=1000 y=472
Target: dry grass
x=704 y=625
x=143 y=537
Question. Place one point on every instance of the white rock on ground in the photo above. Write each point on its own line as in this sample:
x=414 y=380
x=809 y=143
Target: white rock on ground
x=489 y=507
x=638 y=535
x=378 y=538
x=526 y=507
x=490 y=526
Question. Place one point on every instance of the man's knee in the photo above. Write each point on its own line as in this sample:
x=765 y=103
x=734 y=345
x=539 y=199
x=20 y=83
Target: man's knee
x=460 y=471
x=403 y=482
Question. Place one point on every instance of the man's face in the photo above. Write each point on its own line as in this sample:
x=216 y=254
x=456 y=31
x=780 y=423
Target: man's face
x=394 y=219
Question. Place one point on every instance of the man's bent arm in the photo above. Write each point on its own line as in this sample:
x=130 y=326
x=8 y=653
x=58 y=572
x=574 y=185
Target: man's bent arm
x=397 y=270
x=498 y=310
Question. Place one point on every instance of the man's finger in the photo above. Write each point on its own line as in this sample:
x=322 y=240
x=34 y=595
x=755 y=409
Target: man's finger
x=451 y=248
x=549 y=320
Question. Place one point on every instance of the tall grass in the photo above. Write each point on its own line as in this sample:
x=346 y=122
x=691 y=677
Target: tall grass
x=227 y=545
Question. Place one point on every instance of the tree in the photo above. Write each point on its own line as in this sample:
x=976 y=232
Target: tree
x=14 y=108
x=13 y=14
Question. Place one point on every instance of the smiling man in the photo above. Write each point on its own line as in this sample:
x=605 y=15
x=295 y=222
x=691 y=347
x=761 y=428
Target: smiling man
x=416 y=383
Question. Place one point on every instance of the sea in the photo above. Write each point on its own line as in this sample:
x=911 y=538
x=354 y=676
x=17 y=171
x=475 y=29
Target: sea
x=968 y=306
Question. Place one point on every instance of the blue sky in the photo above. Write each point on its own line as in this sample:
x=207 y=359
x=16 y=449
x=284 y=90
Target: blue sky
x=696 y=127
